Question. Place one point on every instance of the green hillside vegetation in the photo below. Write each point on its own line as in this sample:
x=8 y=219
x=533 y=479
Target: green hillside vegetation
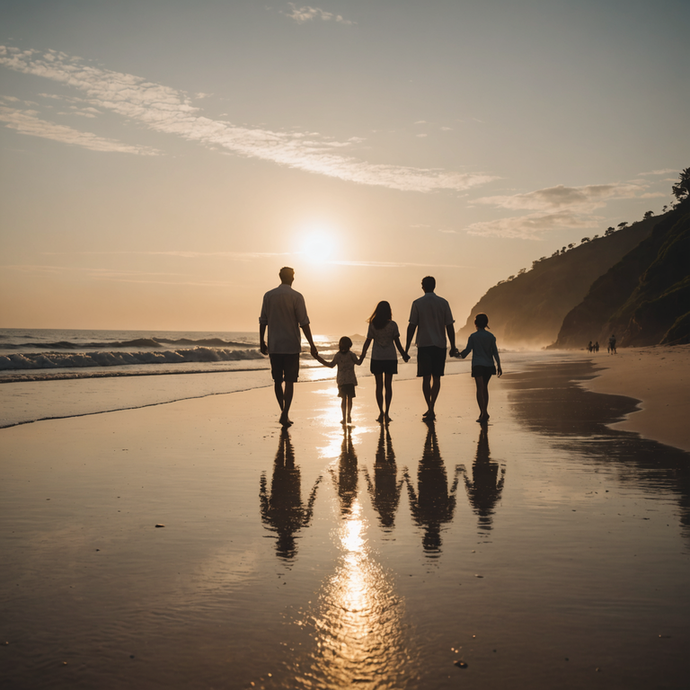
x=645 y=298
x=528 y=310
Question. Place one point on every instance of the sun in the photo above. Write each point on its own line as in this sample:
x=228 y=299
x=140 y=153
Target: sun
x=318 y=247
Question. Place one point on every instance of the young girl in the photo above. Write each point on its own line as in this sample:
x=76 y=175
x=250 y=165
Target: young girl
x=346 y=378
x=384 y=362
x=482 y=344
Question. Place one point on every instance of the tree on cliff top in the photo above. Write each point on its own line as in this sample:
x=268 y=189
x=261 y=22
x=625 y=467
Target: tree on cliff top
x=682 y=190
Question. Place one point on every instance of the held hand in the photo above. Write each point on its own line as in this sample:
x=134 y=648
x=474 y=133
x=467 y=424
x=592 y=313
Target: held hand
x=314 y=352
x=406 y=357
x=454 y=352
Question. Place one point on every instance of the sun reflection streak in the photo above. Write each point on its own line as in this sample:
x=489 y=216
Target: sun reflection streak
x=358 y=629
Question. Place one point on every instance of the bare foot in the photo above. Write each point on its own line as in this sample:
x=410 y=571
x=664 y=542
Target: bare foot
x=387 y=419
x=379 y=419
x=285 y=421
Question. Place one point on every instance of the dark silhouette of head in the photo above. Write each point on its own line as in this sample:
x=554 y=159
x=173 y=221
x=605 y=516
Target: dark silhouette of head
x=344 y=344
x=382 y=315
x=428 y=284
x=481 y=320
x=287 y=275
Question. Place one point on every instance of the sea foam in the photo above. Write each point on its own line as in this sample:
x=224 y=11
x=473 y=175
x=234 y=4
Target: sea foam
x=113 y=358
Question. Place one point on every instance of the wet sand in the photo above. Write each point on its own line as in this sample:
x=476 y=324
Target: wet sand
x=658 y=377
x=549 y=550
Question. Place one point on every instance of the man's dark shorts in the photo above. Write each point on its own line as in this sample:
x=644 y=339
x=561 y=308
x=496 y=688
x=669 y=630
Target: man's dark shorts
x=285 y=368
x=431 y=361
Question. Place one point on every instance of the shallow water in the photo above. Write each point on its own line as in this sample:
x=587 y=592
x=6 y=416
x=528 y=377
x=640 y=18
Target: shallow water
x=545 y=551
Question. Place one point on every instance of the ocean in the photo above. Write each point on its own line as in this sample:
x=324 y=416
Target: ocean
x=52 y=374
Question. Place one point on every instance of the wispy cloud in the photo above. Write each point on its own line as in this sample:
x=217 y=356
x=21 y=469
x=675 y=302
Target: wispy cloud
x=26 y=122
x=236 y=256
x=117 y=275
x=308 y=14
x=665 y=171
x=166 y=110
x=394 y=264
x=591 y=196
x=555 y=208
x=532 y=226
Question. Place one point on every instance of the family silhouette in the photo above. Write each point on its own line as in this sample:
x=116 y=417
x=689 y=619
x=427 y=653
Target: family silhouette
x=284 y=313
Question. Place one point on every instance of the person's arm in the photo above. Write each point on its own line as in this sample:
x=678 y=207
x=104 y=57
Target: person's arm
x=263 y=322
x=320 y=359
x=411 y=328
x=451 y=340
x=398 y=344
x=262 y=339
x=307 y=334
x=499 y=371
x=367 y=342
x=467 y=350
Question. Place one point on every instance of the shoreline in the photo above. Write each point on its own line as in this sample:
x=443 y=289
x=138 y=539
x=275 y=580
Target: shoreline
x=658 y=377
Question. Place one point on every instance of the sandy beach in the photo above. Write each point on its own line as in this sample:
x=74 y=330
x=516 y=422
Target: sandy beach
x=659 y=377
x=196 y=545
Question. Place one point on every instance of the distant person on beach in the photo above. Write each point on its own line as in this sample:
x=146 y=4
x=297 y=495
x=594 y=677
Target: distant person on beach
x=612 y=345
x=431 y=317
x=596 y=346
x=346 y=378
x=284 y=312
x=590 y=347
x=383 y=331
x=482 y=345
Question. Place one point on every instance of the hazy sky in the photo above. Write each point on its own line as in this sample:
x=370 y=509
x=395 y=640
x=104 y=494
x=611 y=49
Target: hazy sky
x=162 y=159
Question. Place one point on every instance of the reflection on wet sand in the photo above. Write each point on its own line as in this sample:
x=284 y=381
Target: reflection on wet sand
x=359 y=637
x=432 y=504
x=485 y=487
x=386 y=487
x=345 y=478
x=552 y=404
x=282 y=511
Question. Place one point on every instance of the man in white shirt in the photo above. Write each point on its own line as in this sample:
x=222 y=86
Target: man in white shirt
x=431 y=317
x=284 y=312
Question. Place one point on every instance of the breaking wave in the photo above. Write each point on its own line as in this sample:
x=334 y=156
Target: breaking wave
x=154 y=343
x=110 y=358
